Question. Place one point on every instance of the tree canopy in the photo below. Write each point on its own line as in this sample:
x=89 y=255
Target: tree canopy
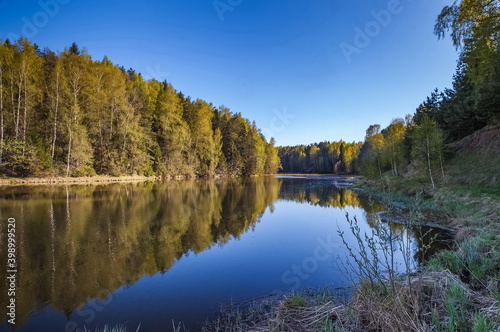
x=67 y=114
x=416 y=147
x=323 y=158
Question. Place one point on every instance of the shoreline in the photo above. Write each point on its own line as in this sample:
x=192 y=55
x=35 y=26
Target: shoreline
x=76 y=180
x=130 y=178
x=57 y=180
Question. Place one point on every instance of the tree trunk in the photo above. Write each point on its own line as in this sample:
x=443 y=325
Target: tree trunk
x=441 y=162
x=69 y=149
x=12 y=99
x=25 y=114
x=56 y=108
x=113 y=106
x=394 y=164
x=379 y=168
x=17 y=114
x=429 y=162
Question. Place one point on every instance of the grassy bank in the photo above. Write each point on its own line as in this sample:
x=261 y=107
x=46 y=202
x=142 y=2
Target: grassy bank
x=456 y=290
x=468 y=274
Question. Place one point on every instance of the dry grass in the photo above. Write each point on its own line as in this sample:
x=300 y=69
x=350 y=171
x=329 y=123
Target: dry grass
x=304 y=312
x=418 y=305
x=299 y=319
x=423 y=303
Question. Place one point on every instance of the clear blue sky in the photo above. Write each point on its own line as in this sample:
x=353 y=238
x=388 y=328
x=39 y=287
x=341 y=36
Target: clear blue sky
x=299 y=68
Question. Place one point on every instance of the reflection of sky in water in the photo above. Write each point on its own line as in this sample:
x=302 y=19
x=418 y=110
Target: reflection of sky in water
x=214 y=242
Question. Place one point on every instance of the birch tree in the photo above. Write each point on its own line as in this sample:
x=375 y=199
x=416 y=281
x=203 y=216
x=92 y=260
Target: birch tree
x=427 y=147
x=6 y=60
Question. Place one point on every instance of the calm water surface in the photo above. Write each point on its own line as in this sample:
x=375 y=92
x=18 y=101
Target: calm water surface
x=150 y=253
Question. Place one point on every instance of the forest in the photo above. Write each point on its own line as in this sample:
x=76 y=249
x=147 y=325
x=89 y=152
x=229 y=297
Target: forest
x=420 y=145
x=65 y=114
x=323 y=158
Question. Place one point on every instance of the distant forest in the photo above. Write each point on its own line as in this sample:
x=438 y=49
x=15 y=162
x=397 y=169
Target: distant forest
x=323 y=158
x=417 y=145
x=65 y=114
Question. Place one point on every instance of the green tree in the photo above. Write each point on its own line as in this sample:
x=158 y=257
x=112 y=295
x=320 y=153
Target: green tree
x=28 y=78
x=371 y=152
x=254 y=148
x=56 y=100
x=76 y=116
x=198 y=116
x=474 y=26
x=6 y=64
x=427 y=147
x=138 y=136
x=19 y=160
x=273 y=164
x=324 y=157
x=172 y=133
x=393 y=147
x=313 y=159
x=233 y=130
x=79 y=153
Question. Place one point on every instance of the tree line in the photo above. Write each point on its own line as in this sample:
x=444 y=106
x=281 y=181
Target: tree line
x=416 y=146
x=67 y=114
x=323 y=158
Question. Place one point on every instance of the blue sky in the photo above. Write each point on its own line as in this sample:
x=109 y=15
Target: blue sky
x=305 y=70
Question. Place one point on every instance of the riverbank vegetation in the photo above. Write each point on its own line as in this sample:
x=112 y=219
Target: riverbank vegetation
x=65 y=114
x=439 y=165
x=446 y=157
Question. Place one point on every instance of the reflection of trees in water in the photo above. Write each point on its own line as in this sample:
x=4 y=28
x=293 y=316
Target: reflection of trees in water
x=81 y=242
x=427 y=240
x=433 y=239
x=326 y=194
x=320 y=193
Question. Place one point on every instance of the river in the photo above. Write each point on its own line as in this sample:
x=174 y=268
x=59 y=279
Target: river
x=149 y=253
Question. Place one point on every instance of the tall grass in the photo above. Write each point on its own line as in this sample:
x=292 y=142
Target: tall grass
x=418 y=300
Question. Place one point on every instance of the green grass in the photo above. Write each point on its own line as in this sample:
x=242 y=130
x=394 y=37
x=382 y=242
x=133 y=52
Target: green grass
x=496 y=294
x=482 y=324
x=456 y=307
x=474 y=169
x=296 y=300
x=327 y=325
x=106 y=328
x=476 y=260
